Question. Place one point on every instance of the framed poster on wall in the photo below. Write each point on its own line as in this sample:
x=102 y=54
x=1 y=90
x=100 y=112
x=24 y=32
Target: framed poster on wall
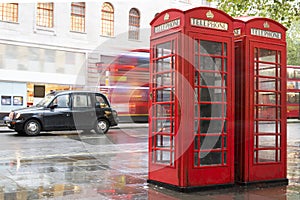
x=18 y=101
x=5 y=100
x=39 y=91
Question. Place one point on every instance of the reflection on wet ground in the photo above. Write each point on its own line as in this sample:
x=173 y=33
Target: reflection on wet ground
x=57 y=177
x=114 y=166
x=293 y=168
x=85 y=164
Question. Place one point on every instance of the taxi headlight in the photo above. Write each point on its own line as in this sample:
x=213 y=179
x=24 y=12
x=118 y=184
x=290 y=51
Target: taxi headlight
x=11 y=115
x=18 y=115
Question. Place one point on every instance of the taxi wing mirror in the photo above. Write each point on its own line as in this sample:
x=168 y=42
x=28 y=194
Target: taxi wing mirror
x=52 y=106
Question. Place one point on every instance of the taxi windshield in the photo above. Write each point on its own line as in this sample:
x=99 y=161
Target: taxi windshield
x=46 y=100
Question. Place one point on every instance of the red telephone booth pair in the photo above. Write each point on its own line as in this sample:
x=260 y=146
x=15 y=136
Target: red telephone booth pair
x=192 y=139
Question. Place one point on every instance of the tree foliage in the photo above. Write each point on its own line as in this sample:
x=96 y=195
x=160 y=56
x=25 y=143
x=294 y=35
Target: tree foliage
x=293 y=44
x=283 y=11
x=286 y=12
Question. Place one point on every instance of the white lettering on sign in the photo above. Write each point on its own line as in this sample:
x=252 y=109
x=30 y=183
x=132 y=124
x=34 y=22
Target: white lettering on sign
x=167 y=26
x=237 y=32
x=209 y=24
x=264 y=33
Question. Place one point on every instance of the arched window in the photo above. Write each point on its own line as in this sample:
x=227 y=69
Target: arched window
x=9 y=12
x=134 y=24
x=45 y=15
x=78 y=16
x=107 y=20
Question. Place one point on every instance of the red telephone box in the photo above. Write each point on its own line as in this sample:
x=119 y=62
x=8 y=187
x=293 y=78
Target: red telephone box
x=260 y=129
x=191 y=123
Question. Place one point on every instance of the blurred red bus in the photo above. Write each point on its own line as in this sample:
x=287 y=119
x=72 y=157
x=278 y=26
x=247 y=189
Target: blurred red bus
x=293 y=91
x=126 y=83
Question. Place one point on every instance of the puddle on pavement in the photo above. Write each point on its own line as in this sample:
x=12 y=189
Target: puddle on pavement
x=109 y=138
x=92 y=139
x=59 y=177
x=57 y=190
x=81 y=157
x=122 y=187
x=62 y=176
x=93 y=167
x=121 y=193
x=110 y=184
x=293 y=168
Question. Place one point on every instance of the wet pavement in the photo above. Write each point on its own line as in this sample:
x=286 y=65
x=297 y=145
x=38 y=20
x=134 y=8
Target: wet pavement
x=73 y=165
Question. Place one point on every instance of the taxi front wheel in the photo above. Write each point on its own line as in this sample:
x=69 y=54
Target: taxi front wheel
x=32 y=127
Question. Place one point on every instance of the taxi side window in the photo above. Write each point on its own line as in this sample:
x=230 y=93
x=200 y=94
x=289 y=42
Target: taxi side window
x=82 y=101
x=61 y=101
x=101 y=102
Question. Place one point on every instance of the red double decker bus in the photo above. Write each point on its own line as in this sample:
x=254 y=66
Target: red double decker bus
x=293 y=91
x=125 y=81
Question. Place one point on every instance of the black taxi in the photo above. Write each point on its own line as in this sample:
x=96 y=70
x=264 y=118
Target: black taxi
x=65 y=110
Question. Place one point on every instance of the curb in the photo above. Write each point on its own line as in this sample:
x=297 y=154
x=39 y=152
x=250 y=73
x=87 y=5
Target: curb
x=4 y=128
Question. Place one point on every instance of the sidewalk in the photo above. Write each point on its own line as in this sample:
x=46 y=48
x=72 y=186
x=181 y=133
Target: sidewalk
x=121 y=174
x=132 y=125
x=4 y=128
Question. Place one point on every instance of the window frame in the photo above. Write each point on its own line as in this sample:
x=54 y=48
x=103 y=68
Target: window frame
x=101 y=101
x=78 y=18
x=45 y=18
x=81 y=101
x=107 y=20
x=134 y=24
x=61 y=98
x=9 y=12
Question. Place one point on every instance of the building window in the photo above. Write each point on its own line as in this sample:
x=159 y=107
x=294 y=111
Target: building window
x=45 y=15
x=107 y=20
x=78 y=16
x=9 y=12
x=134 y=24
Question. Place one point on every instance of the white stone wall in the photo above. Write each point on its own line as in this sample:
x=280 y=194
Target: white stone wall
x=8 y=92
x=25 y=31
x=26 y=35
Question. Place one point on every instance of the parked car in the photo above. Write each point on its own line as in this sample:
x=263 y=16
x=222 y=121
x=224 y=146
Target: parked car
x=65 y=110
